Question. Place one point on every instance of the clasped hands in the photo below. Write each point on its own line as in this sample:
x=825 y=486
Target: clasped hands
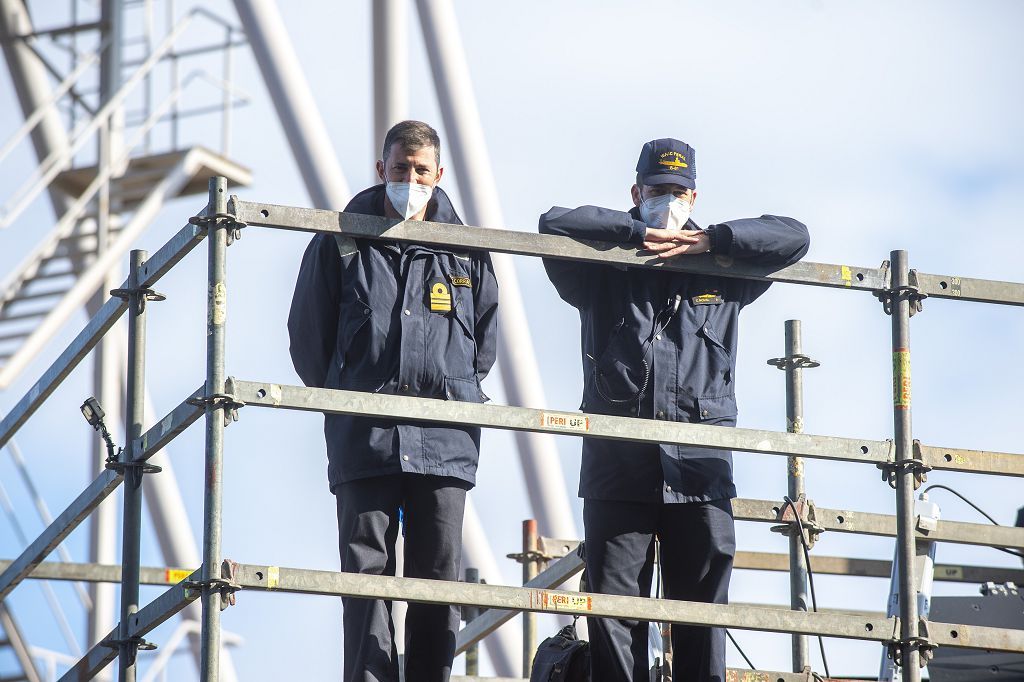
x=675 y=243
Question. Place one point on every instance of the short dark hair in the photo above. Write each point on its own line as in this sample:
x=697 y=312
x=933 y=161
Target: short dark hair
x=412 y=135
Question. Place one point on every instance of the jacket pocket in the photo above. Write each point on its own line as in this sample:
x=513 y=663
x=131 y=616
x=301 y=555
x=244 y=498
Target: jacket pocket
x=621 y=373
x=353 y=319
x=717 y=410
x=719 y=359
x=464 y=390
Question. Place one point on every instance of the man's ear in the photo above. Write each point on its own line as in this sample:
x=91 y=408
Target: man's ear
x=440 y=172
x=693 y=198
x=635 y=193
x=380 y=171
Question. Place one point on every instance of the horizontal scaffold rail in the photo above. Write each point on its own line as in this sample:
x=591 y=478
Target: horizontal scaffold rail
x=869 y=627
x=867 y=523
x=877 y=628
x=754 y=561
x=607 y=426
x=554 y=246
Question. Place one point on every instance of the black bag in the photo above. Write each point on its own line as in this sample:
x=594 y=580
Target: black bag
x=562 y=658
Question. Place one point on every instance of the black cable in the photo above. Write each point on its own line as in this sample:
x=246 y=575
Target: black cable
x=737 y=645
x=810 y=576
x=1018 y=554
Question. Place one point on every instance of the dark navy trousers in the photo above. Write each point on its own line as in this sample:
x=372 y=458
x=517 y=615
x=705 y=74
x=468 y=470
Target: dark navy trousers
x=698 y=543
x=368 y=527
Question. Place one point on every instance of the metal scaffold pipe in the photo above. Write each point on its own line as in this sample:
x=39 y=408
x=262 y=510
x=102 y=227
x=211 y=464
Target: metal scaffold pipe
x=134 y=414
x=795 y=484
x=213 y=499
x=901 y=295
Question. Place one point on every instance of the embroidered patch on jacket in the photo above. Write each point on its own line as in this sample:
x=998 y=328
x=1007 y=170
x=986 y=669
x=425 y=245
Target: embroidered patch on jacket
x=707 y=298
x=440 y=299
x=460 y=281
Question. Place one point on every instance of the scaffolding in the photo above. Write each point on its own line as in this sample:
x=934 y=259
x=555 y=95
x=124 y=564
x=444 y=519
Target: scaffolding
x=904 y=461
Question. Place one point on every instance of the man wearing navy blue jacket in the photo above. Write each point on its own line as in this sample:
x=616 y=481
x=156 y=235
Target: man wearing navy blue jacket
x=403 y=319
x=661 y=345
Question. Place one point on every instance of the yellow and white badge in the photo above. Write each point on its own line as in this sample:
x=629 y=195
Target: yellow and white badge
x=440 y=298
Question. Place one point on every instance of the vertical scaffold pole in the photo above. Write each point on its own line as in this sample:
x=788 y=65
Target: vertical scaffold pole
x=470 y=613
x=904 y=454
x=134 y=411
x=795 y=484
x=216 y=303
x=529 y=573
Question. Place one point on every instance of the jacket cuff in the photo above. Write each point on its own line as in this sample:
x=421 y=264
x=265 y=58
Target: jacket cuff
x=720 y=237
x=638 y=233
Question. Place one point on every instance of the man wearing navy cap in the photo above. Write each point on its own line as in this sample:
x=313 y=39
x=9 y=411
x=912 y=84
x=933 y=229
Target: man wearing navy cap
x=661 y=345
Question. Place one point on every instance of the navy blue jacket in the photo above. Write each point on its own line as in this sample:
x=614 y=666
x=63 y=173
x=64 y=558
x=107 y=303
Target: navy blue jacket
x=661 y=345
x=375 y=316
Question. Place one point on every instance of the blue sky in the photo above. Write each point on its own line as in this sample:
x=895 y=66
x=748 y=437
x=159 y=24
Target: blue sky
x=879 y=125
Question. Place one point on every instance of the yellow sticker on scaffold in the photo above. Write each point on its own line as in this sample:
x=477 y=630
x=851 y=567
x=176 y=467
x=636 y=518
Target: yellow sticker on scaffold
x=273 y=577
x=568 y=422
x=901 y=378
x=567 y=602
x=846 y=275
x=173 y=576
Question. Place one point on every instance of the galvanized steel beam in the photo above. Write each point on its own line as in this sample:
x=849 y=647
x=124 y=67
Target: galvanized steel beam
x=850 y=626
x=552 y=246
x=578 y=424
x=865 y=523
x=876 y=568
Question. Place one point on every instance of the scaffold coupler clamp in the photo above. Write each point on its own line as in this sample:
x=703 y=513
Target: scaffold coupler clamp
x=226 y=584
x=924 y=644
x=122 y=467
x=795 y=361
x=136 y=645
x=228 y=220
x=912 y=292
x=531 y=556
x=801 y=508
x=144 y=294
x=914 y=465
x=227 y=400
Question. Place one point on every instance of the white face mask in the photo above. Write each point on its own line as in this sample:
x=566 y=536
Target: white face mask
x=408 y=198
x=665 y=211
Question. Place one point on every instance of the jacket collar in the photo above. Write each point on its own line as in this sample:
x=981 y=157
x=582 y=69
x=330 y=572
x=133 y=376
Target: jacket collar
x=371 y=202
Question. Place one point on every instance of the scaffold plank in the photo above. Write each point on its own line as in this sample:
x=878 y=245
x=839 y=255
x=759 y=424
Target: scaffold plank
x=61 y=527
x=554 y=246
x=152 y=270
x=742 y=617
x=580 y=424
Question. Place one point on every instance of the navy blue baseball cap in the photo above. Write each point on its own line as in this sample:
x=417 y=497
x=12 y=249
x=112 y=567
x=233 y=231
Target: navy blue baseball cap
x=667 y=161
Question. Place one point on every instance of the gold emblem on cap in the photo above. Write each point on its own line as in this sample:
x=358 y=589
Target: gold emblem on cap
x=677 y=160
x=440 y=299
